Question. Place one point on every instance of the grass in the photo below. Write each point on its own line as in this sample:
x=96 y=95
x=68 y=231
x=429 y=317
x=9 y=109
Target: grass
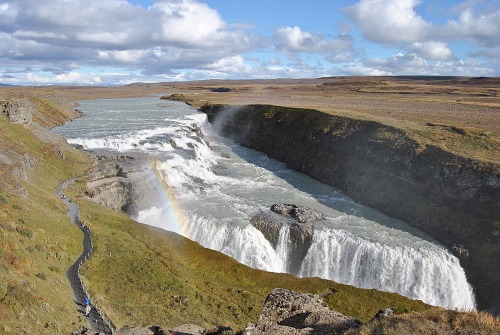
x=36 y=236
x=433 y=322
x=142 y=275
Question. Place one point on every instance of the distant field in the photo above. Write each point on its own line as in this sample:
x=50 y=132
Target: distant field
x=459 y=114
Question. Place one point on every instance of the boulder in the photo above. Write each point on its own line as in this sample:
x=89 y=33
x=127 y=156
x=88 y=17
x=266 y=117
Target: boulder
x=460 y=251
x=288 y=312
x=383 y=313
x=81 y=330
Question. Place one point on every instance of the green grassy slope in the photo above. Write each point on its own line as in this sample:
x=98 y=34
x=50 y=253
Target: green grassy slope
x=142 y=275
x=37 y=241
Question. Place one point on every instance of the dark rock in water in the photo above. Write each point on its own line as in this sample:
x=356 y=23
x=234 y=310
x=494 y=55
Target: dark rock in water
x=300 y=213
x=301 y=236
x=268 y=227
x=300 y=219
x=288 y=312
x=460 y=251
x=173 y=144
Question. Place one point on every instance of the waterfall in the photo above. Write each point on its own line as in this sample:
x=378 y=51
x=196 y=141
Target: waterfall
x=220 y=185
x=425 y=274
x=244 y=243
x=283 y=248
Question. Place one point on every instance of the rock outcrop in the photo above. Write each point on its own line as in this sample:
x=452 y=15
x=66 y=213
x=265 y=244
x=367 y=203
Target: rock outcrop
x=452 y=198
x=108 y=185
x=301 y=214
x=124 y=183
x=25 y=164
x=288 y=312
x=19 y=111
x=186 y=329
x=300 y=220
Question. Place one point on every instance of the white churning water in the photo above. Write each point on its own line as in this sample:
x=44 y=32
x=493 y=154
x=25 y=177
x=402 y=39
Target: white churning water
x=219 y=185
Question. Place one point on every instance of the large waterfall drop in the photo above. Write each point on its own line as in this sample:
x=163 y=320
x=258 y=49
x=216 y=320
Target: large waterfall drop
x=219 y=185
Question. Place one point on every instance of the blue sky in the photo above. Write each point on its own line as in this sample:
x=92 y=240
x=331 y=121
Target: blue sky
x=108 y=42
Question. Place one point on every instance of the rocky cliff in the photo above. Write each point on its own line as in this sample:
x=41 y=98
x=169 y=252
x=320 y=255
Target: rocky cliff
x=454 y=199
x=19 y=110
x=300 y=220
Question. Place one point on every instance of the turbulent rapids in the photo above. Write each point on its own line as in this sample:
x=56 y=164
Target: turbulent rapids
x=215 y=186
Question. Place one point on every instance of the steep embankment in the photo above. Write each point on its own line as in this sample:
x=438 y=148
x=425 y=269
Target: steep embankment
x=453 y=198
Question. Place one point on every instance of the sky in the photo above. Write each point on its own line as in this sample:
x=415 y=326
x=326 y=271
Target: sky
x=117 y=42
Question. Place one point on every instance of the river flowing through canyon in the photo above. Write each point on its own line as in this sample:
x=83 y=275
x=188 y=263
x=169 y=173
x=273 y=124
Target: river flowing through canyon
x=207 y=189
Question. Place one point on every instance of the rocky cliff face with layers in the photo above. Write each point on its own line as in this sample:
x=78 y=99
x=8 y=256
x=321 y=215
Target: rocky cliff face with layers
x=300 y=221
x=452 y=198
x=19 y=110
x=120 y=182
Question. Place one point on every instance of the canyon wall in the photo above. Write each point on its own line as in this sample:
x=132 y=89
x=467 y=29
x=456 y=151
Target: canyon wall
x=452 y=198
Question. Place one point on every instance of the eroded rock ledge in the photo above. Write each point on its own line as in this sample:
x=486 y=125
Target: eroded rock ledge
x=120 y=182
x=452 y=198
x=300 y=220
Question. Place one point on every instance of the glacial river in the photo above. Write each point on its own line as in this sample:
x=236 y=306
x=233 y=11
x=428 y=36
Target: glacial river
x=214 y=186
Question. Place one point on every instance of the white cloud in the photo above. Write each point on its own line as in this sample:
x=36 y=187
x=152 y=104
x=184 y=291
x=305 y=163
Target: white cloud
x=396 y=22
x=234 y=64
x=294 y=39
x=123 y=56
x=432 y=50
x=389 y=21
x=335 y=50
x=67 y=78
x=356 y=69
x=187 y=39
x=116 y=38
x=481 y=28
x=190 y=23
x=412 y=64
x=171 y=34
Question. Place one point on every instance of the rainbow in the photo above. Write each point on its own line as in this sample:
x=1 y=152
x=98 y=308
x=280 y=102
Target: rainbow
x=172 y=217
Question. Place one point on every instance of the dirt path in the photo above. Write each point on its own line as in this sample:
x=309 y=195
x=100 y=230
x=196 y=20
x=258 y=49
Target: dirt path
x=95 y=319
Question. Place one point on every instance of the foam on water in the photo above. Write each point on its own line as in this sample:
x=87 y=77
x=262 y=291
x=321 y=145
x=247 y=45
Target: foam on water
x=219 y=185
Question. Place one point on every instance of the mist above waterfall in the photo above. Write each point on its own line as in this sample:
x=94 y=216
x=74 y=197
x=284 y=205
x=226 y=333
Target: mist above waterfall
x=219 y=185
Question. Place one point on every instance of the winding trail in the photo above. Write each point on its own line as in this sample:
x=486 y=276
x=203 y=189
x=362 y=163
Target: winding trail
x=97 y=322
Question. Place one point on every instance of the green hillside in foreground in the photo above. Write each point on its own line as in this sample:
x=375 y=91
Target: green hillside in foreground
x=138 y=275
x=143 y=275
x=37 y=242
